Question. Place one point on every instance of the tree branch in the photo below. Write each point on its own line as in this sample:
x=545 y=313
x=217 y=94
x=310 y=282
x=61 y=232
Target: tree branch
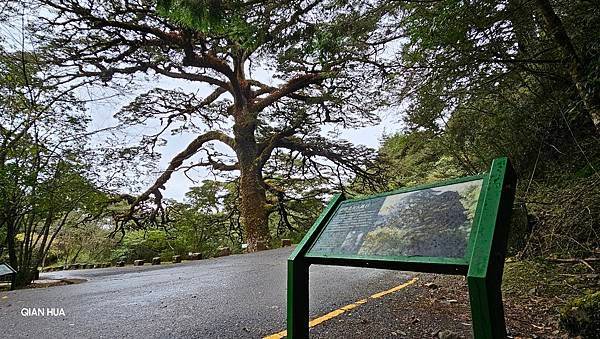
x=178 y=160
x=290 y=87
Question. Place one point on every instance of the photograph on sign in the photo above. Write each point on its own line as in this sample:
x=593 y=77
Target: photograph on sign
x=432 y=222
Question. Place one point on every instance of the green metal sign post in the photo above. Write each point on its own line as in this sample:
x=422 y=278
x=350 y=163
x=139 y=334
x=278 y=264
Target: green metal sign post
x=453 y=227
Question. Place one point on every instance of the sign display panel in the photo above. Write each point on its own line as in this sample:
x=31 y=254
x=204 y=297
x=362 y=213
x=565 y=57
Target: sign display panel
x=5 y=269
x=432 y=222
x=454 y=227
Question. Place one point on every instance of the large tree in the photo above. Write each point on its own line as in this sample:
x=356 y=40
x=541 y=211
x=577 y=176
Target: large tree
x=325 y=64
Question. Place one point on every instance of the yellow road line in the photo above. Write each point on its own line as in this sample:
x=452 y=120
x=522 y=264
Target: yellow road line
x=348 y=307
x=392 y=290
x=278 y=335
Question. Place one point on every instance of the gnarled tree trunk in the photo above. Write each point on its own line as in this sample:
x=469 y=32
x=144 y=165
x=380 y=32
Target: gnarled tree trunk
x=254 y=209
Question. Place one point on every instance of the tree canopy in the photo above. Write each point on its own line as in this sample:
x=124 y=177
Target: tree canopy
x=266 y=87
x=324 y=62
x=45 y=180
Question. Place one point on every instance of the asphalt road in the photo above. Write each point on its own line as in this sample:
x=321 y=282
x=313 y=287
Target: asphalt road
x=240 y=296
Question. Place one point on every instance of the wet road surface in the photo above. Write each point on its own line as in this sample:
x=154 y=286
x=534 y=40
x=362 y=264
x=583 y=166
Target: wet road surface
x=240 y=296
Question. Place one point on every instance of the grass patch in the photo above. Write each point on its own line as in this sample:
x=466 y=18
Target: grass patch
x=568 y=291
x=548 y=279
x=581 y=316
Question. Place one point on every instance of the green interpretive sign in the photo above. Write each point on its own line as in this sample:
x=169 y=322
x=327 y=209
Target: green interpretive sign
x=432 y=222
x=454 y=227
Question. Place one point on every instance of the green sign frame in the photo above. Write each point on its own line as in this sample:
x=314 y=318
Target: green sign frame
x=482 y=265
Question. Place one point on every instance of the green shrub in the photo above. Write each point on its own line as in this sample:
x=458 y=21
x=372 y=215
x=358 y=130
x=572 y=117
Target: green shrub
x=581 y=316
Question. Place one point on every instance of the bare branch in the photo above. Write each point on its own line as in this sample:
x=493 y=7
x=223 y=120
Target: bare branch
x=178 y=160
x=290 y=87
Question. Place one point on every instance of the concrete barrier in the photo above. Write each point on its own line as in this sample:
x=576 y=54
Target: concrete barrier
x=139 y=262
x=196 y=256
x=223 y=251
x=156 y=261
x=261 y=245
x=286 y=242
x=176 y=259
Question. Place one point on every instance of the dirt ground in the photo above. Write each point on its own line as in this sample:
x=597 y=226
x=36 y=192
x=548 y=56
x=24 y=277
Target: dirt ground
x=437 y=306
